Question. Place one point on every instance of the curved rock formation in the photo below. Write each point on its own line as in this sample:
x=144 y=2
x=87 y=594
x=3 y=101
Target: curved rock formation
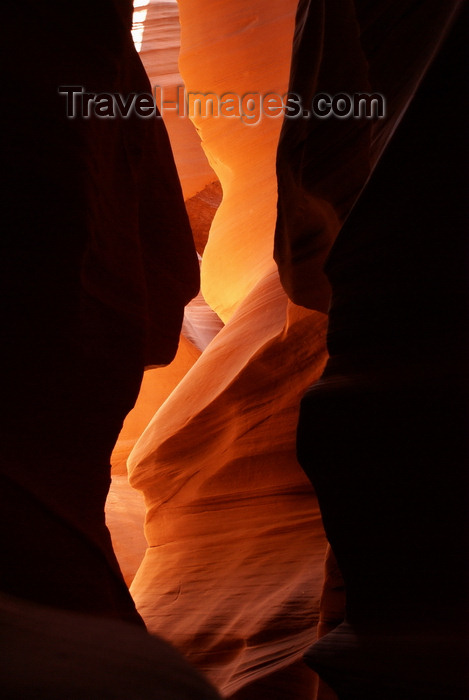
x=97 y=265
x=236 y=548
x=235 y=559
x=240 y=49
x=159 y=40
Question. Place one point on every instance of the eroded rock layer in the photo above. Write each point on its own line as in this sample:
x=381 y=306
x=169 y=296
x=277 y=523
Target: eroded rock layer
x=234 y=567
x=236 y=548
x=158 y=36
x=239 y=49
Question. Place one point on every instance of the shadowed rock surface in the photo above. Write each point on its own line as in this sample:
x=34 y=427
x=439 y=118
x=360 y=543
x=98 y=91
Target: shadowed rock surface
x=51 y=654
x=97 y=263
x=383 y=434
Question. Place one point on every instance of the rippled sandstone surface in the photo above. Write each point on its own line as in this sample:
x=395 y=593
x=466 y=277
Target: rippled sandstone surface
x=234 y=567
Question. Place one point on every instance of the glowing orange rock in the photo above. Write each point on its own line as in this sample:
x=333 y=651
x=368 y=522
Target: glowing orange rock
x=158 y=36
x=234 y=566
x=157 y=385
x=238 y=49
x=125 y=510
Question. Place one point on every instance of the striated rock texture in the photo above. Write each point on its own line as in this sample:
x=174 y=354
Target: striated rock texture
x=234 y=568
x=234 y=565
x=383 y=434
x=238 y=48
x=158 y=36
x=97 y=265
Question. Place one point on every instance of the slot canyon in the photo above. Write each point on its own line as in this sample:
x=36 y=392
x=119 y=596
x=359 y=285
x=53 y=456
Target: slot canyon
x=260 y=321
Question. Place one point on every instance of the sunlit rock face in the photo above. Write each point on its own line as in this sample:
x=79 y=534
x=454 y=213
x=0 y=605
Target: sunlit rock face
x=233 y=557
x=157 y=36
x=238 y=48
x=236 y=548
x=234 y=566
x=233 y=571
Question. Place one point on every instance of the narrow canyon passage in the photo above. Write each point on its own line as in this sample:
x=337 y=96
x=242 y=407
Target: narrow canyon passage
x=220 y=453
x=287 y=506
x=237 y=591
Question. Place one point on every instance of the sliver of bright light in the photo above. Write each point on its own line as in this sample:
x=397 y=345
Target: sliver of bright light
x=138 y=22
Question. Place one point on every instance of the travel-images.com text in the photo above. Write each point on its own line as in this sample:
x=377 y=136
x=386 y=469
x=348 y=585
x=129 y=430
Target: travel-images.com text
x=250 y=107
